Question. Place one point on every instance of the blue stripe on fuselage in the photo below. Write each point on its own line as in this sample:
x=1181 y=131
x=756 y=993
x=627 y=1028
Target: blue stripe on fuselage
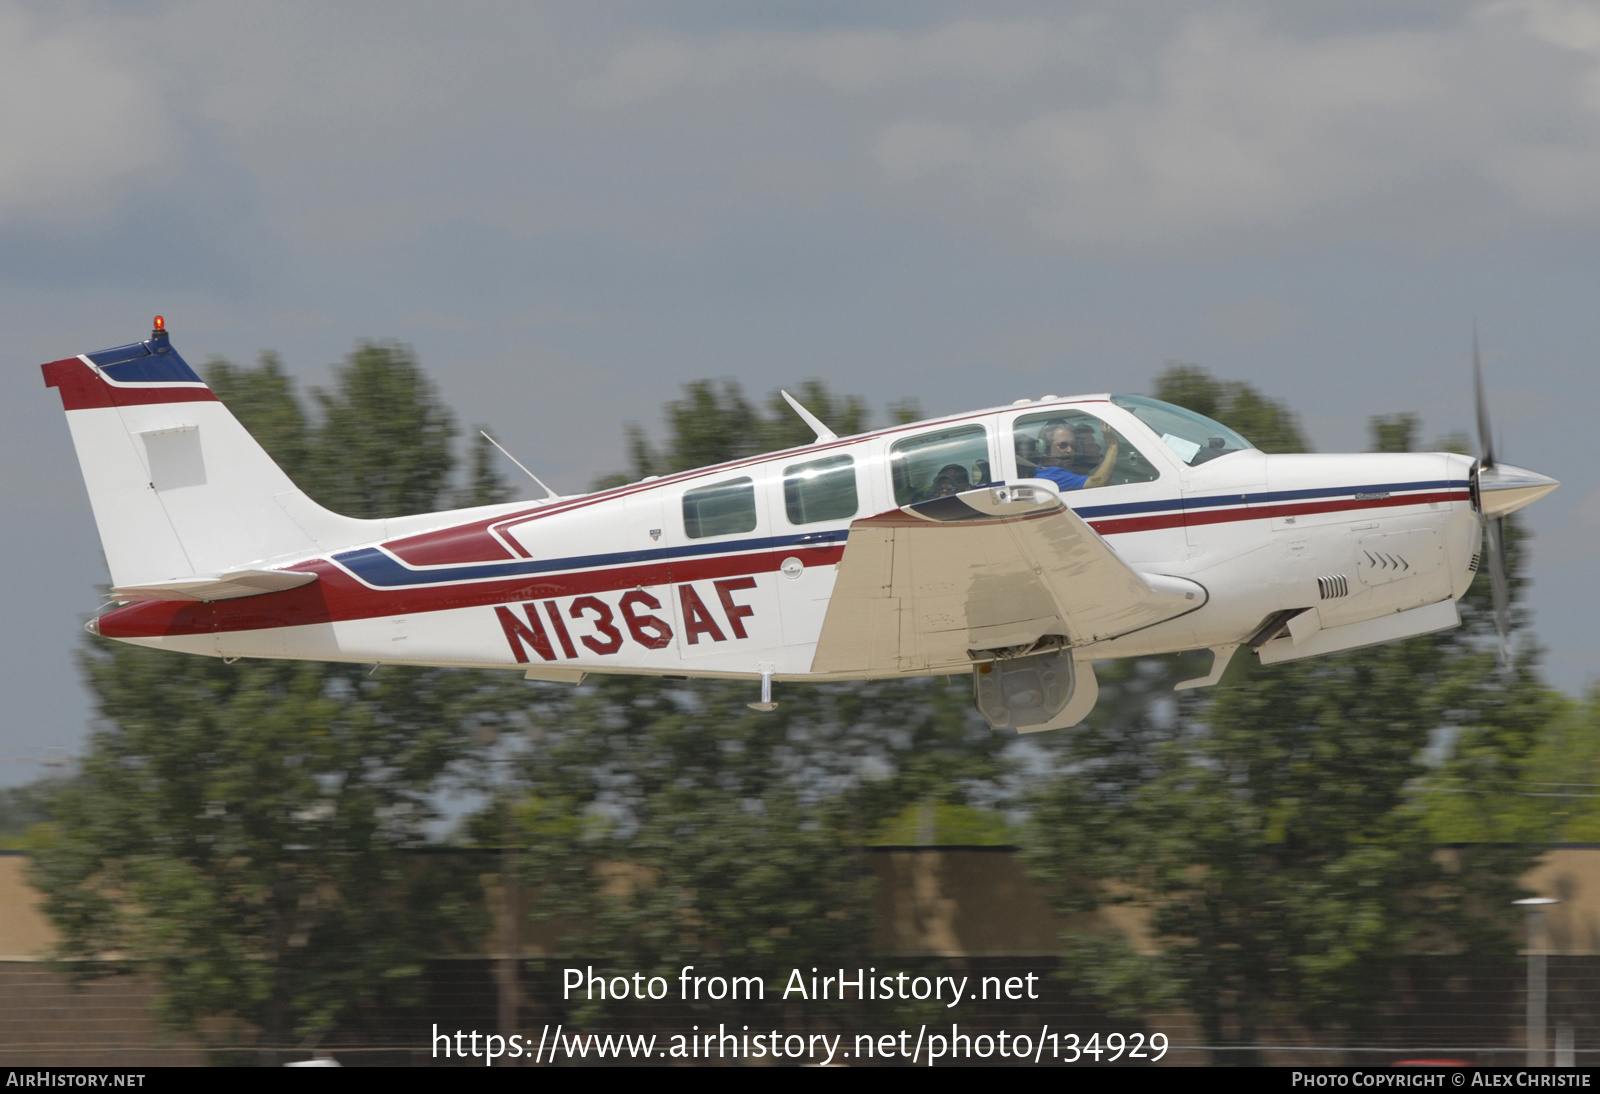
x=382 y=570
x=1262 y=497
x=375 y=567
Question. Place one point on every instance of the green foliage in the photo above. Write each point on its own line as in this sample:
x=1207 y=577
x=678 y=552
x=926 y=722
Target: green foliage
x=1290 y=862
x=668 y=824
x=1083 y=818
x=945 y=824
x=484 y=485
x=249 y=831
x=1286 y=828
x=664 y=780
x=671 y=825
x=1394 y=432
x=1559 y=791
x=383 y=447
x=242 y=829
x=1504 y=730
x=714 y=423
x=264 y=401
x=23 y=809
x=1265 y=423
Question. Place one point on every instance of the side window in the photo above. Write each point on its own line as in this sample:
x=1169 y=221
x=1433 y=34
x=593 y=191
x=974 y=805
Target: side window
x=720 y=510
x=823 y=490
x=1070 y=448
x=938 y=464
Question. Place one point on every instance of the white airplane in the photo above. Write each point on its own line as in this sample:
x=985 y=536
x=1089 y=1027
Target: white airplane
x=1019 y=543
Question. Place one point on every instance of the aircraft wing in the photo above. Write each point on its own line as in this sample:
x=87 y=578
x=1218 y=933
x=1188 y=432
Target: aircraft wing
x=995 y=567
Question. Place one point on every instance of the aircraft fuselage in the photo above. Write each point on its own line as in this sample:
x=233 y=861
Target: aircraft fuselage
x=716 y=572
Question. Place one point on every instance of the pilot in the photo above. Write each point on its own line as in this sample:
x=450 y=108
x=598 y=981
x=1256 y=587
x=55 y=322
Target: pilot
x=1086 y=450
x=1064 y=447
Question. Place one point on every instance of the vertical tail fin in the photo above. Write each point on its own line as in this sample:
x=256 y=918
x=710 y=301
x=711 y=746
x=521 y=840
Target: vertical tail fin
x=179 y=488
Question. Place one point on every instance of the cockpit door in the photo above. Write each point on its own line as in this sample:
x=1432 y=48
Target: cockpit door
x=1137 y=507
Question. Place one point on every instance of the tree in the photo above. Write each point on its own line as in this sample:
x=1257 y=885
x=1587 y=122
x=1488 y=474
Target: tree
x=1276 y=826
x=242 y=830
x=1292 y=868
x=667 y=824
x=713 y=422
x=24 y=807
x=1556 y=797
x=1269 y=425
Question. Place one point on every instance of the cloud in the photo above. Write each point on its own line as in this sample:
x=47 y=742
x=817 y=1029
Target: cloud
x=1221 y=126
x=1573 y=24
x=853 y=63
x=1221 y=130
x=80 y=119
x=908 y=149
x=1254 y=320
x=645 y=70
x=963 y=51
x=1427 y=136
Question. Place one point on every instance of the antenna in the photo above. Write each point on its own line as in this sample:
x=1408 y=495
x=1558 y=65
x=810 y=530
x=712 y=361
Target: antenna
x=823 y=432
x=524 y=470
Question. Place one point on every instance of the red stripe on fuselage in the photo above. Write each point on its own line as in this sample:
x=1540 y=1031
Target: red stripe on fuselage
x=452 y=546
x=1195 y=517
x=337 y=596
x=83 y=389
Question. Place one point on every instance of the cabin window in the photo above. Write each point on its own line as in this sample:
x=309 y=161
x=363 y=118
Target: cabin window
x=1068 y=447
x=723 y=509
x=821 y=490
x=935 y=465
x=1194 y=437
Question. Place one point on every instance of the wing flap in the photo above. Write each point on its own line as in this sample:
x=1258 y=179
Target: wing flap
x=995 y=567
x=225 y=586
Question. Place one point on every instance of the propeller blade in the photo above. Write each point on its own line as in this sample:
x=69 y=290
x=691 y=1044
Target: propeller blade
x=1485 y=437
x=1500 y=584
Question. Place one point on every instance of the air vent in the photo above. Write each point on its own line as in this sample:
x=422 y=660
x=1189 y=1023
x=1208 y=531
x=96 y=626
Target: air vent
x=1333 y=586
x=1472 y=567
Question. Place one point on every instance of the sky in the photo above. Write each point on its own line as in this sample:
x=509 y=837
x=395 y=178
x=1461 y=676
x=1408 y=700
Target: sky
x=571 y=210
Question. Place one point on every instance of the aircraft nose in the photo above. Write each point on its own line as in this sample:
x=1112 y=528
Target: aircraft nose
x=1504 y=489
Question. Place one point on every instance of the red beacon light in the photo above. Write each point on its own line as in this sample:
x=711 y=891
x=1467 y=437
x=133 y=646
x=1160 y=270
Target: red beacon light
x=160 y=325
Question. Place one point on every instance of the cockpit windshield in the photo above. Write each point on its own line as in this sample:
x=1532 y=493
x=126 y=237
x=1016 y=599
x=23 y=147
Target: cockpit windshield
x=1194 y=437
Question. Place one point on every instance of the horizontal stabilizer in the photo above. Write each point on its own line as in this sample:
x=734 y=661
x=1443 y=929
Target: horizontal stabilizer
x=228 y=586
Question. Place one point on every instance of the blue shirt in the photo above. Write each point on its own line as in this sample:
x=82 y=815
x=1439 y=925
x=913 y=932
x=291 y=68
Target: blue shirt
x=1067 y=480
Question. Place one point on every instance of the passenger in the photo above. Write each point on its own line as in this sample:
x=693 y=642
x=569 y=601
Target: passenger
x=951 y=479
x=1065 y=447
x=1027 y=455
